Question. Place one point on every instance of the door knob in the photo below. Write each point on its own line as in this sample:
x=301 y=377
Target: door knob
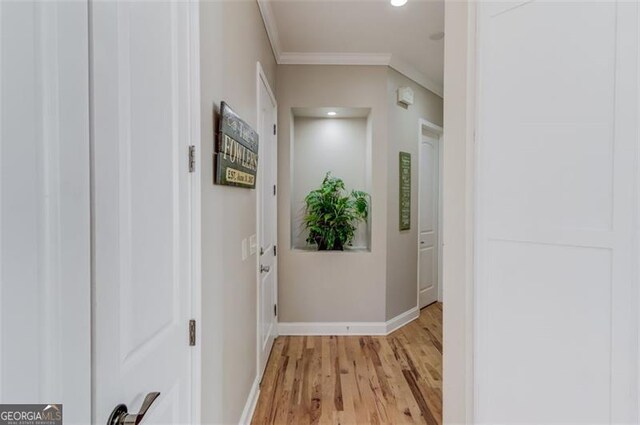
x=264 y=269
x=121 y=415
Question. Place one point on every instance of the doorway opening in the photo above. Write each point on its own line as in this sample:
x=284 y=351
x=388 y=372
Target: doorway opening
x=429 y=214
x=267 y=216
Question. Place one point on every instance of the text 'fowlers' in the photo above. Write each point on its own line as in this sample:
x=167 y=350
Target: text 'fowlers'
x=237 y=153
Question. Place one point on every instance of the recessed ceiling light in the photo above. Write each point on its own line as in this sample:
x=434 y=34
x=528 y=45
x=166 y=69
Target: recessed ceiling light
x=398 y=3
x=331 y=113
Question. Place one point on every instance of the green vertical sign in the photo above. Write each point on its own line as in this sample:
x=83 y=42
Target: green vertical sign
x=405 y=191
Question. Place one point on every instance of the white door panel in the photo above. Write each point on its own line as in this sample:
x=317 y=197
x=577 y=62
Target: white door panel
x=556 y=284
x=45 y=317
x=267 y=216
x=141 y=208
x=428 y=235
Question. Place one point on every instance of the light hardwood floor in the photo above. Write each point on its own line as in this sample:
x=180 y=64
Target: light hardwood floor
x=394 y=379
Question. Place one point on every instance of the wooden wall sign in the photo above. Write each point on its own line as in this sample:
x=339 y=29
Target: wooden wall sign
x=236 y=153
x=405 y=191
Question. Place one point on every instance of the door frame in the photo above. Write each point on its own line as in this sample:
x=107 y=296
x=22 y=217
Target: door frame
x=261 y=79
x=458 y=179
x=196 y=211
x=439 y=132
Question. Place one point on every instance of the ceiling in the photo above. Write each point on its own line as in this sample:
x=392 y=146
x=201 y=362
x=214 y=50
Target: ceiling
x=360 y=32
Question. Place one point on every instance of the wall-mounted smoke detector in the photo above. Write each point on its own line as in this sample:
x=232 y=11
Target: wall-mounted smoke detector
x=405 y=96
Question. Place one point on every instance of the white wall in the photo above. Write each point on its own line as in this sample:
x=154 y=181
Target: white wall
x=45 y=351
x=321 y=145
x=232 y=40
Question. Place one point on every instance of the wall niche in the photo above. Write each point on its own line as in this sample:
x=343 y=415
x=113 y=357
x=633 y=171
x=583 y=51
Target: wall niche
x=329 y=139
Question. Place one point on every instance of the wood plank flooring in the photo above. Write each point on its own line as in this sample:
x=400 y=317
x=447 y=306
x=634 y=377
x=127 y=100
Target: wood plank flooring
x=394 y=379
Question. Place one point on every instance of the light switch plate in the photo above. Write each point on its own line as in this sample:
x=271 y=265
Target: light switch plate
x=253 y=245
x=244 y=249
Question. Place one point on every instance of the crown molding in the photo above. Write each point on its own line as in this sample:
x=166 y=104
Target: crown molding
x=419 y=77
x=313 y=58
x=317 y=58
x=270 y=25
x=307 y=58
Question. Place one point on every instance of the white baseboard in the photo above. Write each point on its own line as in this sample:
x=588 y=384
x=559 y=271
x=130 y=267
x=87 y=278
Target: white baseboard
x=250 y=405
x=402 y=319
x=347 y=328
x=331 y=328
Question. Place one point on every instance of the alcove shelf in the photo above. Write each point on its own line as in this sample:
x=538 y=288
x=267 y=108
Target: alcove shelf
x=329 y=139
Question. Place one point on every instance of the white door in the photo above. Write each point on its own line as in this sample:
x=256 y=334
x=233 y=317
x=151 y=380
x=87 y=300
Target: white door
x=141 y=208
x=45 y=264
x=267 y=216
x=557 y=145
x=429 y=208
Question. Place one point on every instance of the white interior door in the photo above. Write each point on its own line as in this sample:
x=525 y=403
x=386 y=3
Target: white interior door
x=429 y=208
x=45 y=316
x=267 y=216
x=556 y=269
x=141 y=208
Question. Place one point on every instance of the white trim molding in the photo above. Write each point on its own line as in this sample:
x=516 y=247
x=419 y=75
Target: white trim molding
x=402 y=319
x=347 y=328
x=262 y=80
x=250 y=405
x=319 y=58
x=196 y=201
x=306 y=58
x=331 y=328
x=458 y=176
x=413 y=74
x=439 y=131
x=270 y=25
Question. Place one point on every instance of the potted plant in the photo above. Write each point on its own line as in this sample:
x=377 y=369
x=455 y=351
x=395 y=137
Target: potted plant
x=332 y=214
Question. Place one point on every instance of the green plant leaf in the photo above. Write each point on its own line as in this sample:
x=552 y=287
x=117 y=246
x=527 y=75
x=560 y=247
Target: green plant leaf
x=332 y=214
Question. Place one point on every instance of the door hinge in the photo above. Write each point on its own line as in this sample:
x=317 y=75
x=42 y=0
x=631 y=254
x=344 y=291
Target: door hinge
x=274 y=190
x=275 y=129
x=275 y=310
x=192 y=158
x=192 y=332
x=275 y=250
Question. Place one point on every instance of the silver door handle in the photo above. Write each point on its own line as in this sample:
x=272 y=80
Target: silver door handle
x=121 y=415
x=264 y=269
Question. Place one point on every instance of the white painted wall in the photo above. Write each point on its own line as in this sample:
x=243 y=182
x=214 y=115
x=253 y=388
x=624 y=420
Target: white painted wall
x=320 y=145
x=557 y=185
x=232 y=40
x=44 y=206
